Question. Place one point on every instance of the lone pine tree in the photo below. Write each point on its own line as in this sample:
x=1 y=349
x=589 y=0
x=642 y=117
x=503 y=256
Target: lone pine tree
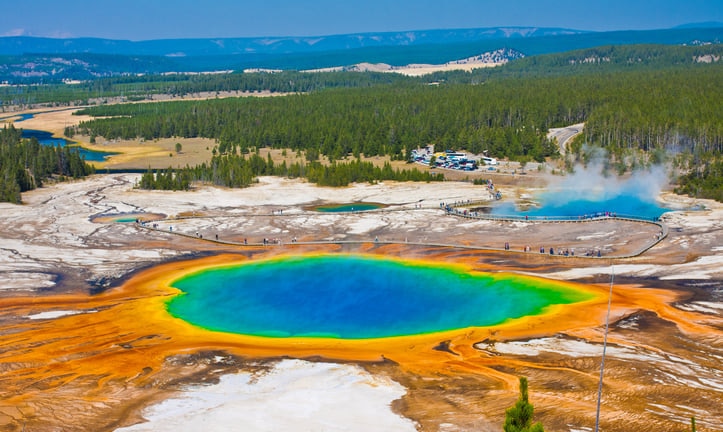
x=519 y=417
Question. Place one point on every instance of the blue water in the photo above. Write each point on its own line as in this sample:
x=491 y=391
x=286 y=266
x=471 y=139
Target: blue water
x=589 y=192
x=24 y=117
x=46 y=138
x=356 y=297
x=552 y=205
x=350 y=207
x=127 y=219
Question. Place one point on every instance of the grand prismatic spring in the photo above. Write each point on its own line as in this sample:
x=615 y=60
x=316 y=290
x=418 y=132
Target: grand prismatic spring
x=355 y=297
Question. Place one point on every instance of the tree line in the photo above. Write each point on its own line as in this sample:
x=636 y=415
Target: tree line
x=25 y=164
x=381 y=120
x=704 y=180
x=238 y=170
x=141 y=87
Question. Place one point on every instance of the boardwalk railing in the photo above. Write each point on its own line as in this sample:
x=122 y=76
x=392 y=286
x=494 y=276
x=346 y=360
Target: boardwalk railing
x=450 y=210
x=459 y=209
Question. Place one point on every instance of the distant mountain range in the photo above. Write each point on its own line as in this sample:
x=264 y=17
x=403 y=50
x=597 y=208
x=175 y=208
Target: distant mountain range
x=30 y=59
x=706 y=24
x=19 y=45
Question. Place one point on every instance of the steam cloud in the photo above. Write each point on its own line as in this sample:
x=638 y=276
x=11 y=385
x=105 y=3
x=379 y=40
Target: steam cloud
x=591 y=184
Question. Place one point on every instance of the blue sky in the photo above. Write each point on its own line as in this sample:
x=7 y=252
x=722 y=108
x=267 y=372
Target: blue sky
x=169 y=19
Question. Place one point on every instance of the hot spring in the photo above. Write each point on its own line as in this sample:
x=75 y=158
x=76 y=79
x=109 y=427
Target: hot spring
x=554 y=205
x=589 y=193
x=126 y=217
x=348 y=207
x=358 y=297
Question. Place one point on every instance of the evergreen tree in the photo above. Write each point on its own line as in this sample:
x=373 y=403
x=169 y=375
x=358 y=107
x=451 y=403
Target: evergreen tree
x=25 y=164
x=519 y=417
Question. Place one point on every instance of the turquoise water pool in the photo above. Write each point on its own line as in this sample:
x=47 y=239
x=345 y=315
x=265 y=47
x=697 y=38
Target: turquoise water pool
x=588 y=192
x=357 y=297
x=129 y=219
x=348 y=207
x=554 y=205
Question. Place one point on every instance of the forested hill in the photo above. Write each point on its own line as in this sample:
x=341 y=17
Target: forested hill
x=601 y=59
x=26 y=60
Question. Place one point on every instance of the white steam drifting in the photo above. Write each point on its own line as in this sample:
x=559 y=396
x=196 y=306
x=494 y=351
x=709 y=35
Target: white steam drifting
x=591 y=184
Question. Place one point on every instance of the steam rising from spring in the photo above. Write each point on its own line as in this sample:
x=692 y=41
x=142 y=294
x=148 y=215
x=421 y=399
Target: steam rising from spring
x=588 y=191
x=591 y=184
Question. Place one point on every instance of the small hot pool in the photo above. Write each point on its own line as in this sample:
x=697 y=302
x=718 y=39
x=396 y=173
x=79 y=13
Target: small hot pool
x=127 y=217
x=348 y=207
x=358 y=297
